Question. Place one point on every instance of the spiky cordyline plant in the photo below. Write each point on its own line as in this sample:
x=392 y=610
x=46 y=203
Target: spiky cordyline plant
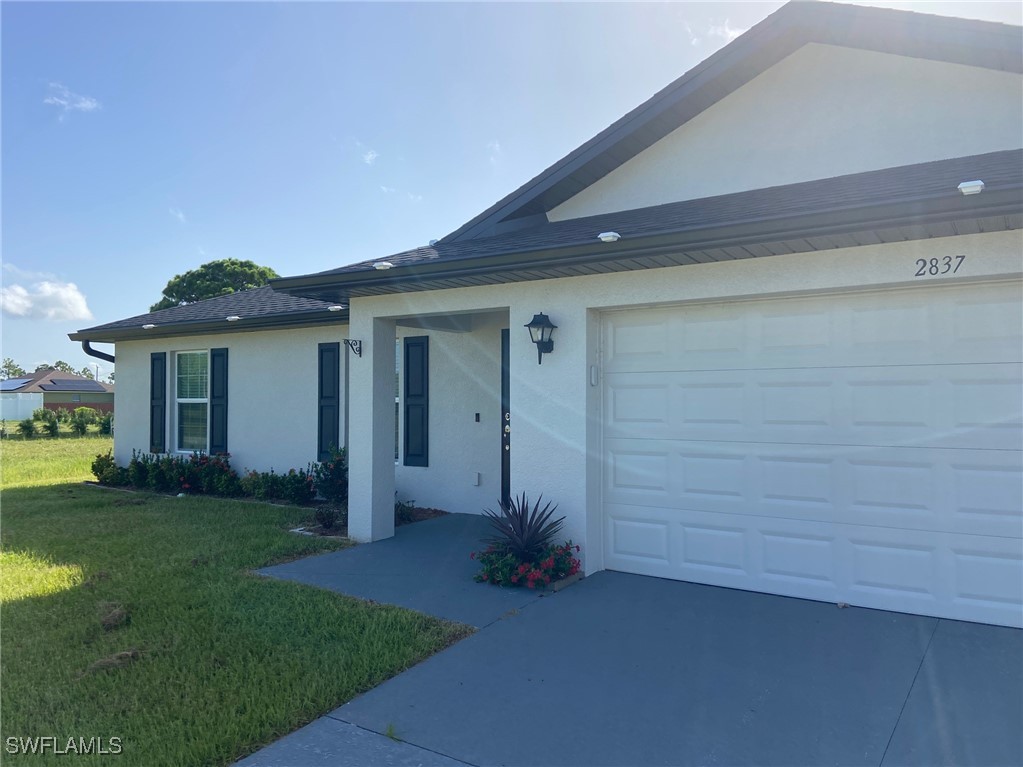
x=523 y=532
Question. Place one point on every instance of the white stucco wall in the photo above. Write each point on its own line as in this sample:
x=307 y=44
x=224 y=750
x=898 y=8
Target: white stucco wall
x=555 y=406
x=272 y=394
x=465 y=379
x=824 y=111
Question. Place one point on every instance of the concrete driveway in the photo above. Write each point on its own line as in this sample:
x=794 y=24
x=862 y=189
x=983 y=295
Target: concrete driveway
x=630 y=670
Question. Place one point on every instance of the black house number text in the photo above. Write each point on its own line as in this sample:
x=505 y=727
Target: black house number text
x=928 y=267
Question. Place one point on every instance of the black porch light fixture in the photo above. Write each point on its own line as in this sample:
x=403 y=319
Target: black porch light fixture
x=540 y=331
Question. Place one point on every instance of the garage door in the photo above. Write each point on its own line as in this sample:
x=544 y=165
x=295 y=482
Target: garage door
x=861 y=448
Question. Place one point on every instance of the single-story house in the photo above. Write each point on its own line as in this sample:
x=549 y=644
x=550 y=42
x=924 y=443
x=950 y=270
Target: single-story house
x=787 y=307
x=52 y=389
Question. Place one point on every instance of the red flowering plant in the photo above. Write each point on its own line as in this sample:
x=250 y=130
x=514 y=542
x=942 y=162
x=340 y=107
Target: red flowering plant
x=523 y=552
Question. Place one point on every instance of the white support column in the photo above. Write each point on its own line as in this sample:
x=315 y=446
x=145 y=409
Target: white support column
x=371 y=430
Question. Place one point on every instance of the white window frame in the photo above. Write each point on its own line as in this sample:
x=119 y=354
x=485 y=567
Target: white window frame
x=175 y=433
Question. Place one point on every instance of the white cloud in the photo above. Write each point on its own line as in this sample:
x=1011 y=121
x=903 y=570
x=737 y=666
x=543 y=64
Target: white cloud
x=495 y=151
x=387 y=189
x=178 y=214
x=43 y=299
x=61 y=96
x=725 y=31
x=415 y=197
x=370 y=157
x=693 y=38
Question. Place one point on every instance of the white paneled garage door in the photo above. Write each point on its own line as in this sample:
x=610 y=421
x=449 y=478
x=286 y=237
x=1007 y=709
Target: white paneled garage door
x=861 y=447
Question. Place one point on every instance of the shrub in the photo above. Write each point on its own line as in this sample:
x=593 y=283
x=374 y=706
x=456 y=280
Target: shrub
x=166 y=474
x=262 y=485
x=404 y=512
x=107 y=472
x=329 y=517
x=501 y=567
x=523 y=532
x=51 y=427
x=331 y=477
x=44 y=415
x=87 y=414
x=298 y=486
x=63 y=415
x=79 y=424
x=27 y=428
x=106 y=423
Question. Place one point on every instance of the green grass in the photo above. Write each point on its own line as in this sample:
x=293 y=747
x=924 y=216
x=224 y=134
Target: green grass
x=215 y=662
x=48 y=461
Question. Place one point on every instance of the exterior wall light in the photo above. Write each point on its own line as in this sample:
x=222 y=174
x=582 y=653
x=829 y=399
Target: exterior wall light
x=541 y=330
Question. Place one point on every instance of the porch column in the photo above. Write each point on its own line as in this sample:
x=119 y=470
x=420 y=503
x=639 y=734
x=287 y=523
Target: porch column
x=371 y=430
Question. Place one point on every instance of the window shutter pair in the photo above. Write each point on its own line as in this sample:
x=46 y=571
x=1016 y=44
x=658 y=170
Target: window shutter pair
x=158 y=396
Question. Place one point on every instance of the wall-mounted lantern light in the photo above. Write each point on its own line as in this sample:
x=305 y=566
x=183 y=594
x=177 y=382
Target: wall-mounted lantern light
x=540 y=331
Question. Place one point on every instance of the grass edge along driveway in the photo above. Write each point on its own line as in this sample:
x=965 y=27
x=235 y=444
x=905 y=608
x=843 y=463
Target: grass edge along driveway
x=135 y=617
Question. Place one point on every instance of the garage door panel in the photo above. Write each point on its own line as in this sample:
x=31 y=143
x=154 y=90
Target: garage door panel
x=979 y=578
x=914 y=326
x=956 y=406
x=957 y=491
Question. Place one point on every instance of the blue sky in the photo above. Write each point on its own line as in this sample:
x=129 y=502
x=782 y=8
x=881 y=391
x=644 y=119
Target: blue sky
x=140 y=140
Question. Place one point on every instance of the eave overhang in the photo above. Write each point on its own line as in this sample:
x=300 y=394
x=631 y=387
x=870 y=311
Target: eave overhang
x=997 y=209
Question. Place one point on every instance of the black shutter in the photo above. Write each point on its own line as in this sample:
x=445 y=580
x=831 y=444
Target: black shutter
x=218 y=401
x=158 y=402
x=417 y=401
x=329 y=414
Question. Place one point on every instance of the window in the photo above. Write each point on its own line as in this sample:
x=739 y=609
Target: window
x=191 y=393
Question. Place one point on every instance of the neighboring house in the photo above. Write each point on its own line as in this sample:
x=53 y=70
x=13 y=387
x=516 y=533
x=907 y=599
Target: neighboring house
x=52 y=389
x=787 y=292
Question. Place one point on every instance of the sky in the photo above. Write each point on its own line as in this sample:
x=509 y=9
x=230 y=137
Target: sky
x=141 y=140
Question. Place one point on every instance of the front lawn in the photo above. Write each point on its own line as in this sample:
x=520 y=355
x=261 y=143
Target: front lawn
x=134 y=616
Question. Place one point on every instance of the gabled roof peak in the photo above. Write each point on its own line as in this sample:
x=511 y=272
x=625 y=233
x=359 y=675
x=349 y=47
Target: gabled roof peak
x=963 y=41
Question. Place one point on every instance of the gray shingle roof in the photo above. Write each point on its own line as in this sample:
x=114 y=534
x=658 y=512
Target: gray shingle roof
x=260 y=304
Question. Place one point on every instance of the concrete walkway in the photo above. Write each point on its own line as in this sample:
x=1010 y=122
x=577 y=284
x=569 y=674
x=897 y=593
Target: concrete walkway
x=629 y=670
x=424 y=567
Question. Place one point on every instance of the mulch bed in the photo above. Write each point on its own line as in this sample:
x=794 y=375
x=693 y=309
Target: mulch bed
x=418 y=514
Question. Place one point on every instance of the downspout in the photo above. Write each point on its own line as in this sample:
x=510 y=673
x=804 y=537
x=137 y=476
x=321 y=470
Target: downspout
x=87 y=348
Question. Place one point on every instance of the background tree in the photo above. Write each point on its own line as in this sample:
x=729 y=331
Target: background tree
x=216 y=278
x=11 y=369
x=60 y=366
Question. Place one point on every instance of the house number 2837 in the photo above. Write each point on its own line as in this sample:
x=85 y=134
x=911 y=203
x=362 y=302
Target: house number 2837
x=932 y=266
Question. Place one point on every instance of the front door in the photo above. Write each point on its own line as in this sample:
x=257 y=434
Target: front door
x=505 y=420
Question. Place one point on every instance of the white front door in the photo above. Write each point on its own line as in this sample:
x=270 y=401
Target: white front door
x=861 y=447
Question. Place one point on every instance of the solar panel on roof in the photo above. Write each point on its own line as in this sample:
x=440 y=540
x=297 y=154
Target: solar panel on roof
x=64 y=384
x=13 y=384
